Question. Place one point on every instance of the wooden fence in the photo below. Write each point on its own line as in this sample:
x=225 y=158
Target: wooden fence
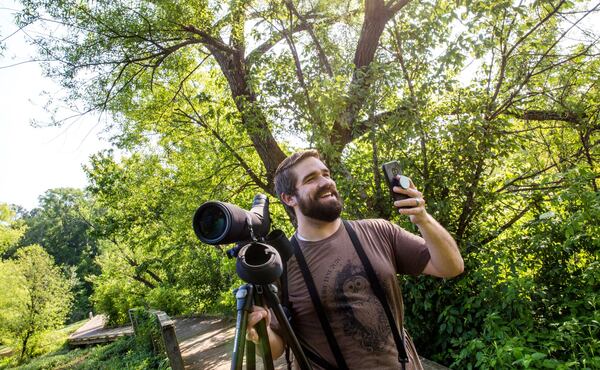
x=166 y=340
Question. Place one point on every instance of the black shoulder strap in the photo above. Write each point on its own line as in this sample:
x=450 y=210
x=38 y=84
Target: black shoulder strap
x=312 y=290
x=288 y=306
x=379 y=293
x=315 y=358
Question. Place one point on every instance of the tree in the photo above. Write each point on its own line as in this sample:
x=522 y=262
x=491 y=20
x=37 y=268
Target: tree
x=146 y=254
x=11 y=229
x=331 y=73
x=34 y=296
x=146 y=45
x=61 y=225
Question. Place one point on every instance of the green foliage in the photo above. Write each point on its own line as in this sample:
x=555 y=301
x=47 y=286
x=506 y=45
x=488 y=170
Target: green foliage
x=51 y=342
x=11 y=229
x=61 y=225
x=34 y=297
x=114 y=296
x=150 y=256
x=147 y=329
x=527 y=300
x=125 y=354
x=122 y=354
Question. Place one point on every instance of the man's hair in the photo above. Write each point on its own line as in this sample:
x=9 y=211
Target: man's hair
x=285 y=178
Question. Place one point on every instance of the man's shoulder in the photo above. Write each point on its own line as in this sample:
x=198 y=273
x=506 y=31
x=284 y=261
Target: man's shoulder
x=371 y=222
x=374 y=224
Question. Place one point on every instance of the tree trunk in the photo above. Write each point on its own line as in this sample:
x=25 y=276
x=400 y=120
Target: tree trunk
x=345 y=129
x=253 y=118
x=24 y=344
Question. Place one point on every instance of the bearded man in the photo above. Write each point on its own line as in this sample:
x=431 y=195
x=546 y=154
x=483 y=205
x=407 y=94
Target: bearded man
x=352 y=317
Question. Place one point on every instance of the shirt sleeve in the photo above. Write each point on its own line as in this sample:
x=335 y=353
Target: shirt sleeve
x=410 y=251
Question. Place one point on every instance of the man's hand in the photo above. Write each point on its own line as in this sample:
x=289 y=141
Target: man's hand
x=414 y=206
x=275 y=341
x=446 y=260
x=258 y=313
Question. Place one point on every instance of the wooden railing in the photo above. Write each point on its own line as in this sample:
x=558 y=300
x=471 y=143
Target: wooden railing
x=167 y=340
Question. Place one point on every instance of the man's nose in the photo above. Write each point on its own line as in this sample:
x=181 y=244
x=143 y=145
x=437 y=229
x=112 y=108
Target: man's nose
x=326 y=181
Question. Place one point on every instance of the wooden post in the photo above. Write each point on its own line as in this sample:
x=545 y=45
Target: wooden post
x=172 y=346
x=169 y=339
x=133 y=317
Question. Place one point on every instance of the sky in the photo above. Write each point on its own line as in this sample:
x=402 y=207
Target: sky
x=33 y=160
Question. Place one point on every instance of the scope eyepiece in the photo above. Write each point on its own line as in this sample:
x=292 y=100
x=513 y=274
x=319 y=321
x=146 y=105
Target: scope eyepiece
x=258 y=263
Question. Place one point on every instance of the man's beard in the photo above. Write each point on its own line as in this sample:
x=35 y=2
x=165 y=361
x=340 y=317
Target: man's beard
x=324 y=210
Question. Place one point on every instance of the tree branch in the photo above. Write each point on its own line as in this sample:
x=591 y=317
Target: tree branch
x=545 y=115
x=300 y=74
x=323 y=60
x=198 y=120
x=504 y=227
x=208 y=39
x=263 y=48
x=344 y=129
x=509 y=101
x=378 y=119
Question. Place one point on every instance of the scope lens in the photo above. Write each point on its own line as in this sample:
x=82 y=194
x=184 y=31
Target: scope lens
x=212 y=222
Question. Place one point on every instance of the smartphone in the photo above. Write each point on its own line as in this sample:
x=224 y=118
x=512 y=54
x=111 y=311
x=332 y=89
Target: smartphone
x=390 y=171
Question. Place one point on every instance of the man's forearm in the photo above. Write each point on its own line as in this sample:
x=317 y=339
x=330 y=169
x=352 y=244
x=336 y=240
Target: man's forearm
x=445 y=256
x=276 y=342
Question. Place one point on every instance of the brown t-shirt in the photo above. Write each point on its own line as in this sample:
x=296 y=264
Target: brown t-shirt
x=357 y=318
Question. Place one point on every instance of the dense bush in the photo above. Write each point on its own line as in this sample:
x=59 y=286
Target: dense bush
x=527 y=300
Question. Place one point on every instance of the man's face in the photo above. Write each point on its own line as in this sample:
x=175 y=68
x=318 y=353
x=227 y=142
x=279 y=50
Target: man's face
x=316 y=193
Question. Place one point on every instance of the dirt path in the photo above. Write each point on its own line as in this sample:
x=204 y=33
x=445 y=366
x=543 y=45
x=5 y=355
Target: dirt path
x=207 y=343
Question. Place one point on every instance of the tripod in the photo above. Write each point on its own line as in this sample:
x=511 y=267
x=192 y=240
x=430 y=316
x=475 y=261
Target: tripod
x=247 y=295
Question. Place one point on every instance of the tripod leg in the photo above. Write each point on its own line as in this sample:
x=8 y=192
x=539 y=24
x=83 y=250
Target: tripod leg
x=261 y=328
x=288 y=333
x=243 y=296
x=250 y=356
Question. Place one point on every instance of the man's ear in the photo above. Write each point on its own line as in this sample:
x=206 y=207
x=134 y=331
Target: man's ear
x=289 y=200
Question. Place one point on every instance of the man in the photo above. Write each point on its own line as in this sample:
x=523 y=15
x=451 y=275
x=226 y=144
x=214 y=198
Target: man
x=355 y=315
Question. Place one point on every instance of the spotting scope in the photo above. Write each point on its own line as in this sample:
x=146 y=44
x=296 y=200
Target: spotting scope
x=259 y=256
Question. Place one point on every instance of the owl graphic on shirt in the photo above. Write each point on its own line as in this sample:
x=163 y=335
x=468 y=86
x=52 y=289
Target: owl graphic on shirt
x=363 y=316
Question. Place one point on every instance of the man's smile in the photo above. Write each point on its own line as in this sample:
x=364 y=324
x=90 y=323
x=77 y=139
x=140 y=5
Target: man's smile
x=327 y=194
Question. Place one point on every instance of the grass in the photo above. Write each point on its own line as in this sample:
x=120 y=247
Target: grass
x=53 y=353
x=122 y=354
x=53 y=341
